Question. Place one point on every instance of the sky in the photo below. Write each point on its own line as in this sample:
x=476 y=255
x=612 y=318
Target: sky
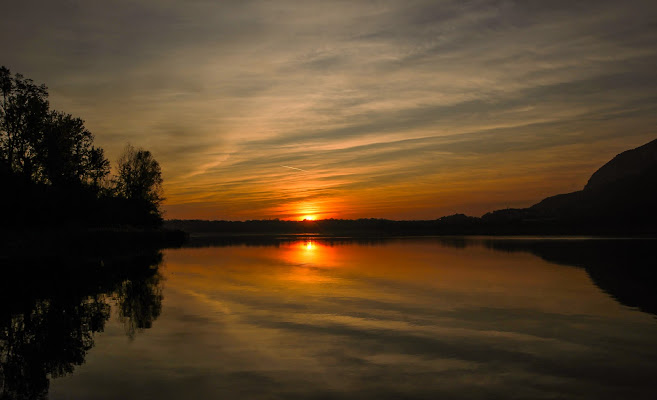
x=348 y=109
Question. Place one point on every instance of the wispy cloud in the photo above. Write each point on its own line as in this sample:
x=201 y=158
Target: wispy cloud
x=296 y=169
x=399 y=108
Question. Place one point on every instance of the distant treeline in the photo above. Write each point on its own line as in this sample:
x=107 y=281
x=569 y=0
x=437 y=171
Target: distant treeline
x=51 y=174
x=325 y=226
x=501 y=222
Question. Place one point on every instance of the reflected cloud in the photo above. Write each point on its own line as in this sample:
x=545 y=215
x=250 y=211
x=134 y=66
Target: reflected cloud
x=405 y=318
x=621 y=268
x=449 y=314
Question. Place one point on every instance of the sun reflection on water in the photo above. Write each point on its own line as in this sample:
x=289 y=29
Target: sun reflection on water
x=309 y=260
x=306 y=252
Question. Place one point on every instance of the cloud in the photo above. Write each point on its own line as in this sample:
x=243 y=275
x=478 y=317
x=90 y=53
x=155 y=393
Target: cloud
x=368 y=94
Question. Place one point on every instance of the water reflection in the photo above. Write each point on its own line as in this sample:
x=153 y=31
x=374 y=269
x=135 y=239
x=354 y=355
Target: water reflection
x=50 y=310
x=625 y=269
x=139 y=300
x=407 y=318
x=361 y=319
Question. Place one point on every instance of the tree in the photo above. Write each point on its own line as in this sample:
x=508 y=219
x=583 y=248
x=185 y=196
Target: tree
x=55 y=174
x=139 y=179
x=66 y=154
x=23 y=115
x=44 y=146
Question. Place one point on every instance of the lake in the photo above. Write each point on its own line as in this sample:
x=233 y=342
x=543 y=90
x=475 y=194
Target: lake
x=411 y=318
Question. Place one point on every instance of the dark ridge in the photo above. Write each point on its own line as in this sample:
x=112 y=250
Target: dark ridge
x=627 y=164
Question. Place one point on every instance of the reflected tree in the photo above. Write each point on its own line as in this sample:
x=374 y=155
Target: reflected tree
x=48 y=329
x=140 y=303
x=50 y=339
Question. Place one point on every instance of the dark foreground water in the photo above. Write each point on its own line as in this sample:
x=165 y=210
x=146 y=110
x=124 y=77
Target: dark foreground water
x=311 y=319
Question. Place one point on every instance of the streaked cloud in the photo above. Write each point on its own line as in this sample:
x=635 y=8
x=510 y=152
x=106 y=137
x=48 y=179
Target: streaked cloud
x=401 y=109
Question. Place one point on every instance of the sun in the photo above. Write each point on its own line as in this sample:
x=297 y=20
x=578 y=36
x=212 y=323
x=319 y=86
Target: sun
x=308 y=218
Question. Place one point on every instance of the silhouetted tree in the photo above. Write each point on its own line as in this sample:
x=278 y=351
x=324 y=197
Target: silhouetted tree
x=45 y=146
x=24 y=114
x=57 y=176
x=66 y=153
x=139 y=180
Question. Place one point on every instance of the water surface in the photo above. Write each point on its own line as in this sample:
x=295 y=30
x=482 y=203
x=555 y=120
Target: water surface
x=406 y=318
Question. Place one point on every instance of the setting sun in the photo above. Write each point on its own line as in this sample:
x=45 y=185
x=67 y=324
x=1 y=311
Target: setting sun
x=308 y=218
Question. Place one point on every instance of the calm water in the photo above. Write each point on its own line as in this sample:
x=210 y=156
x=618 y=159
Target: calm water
x=408 y=318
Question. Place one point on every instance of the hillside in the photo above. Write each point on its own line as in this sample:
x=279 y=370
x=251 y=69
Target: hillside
x=623 y=191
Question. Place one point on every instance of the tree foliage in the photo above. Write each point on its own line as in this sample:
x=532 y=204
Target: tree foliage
x=24 y=112
x=48 y=153
x=139 y=176
x=67 y=155
x=139 y=180
x=41 y=145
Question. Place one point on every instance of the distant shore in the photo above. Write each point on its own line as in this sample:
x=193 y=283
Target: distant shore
x=273 y=239
x=458 y=225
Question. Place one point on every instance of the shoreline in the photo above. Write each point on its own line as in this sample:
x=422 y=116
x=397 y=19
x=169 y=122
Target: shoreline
x=35 y=242
x=198 y=239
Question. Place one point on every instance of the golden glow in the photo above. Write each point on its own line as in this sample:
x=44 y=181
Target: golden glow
x=311 y=267
x=244 y=308
x=307 y=253
x=460 y=191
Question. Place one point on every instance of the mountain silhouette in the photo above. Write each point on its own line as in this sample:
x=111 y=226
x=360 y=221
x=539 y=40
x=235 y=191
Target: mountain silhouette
x=621 y=193
x=628 y=164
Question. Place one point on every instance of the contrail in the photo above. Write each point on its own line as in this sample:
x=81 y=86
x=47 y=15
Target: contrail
x=298 y=169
